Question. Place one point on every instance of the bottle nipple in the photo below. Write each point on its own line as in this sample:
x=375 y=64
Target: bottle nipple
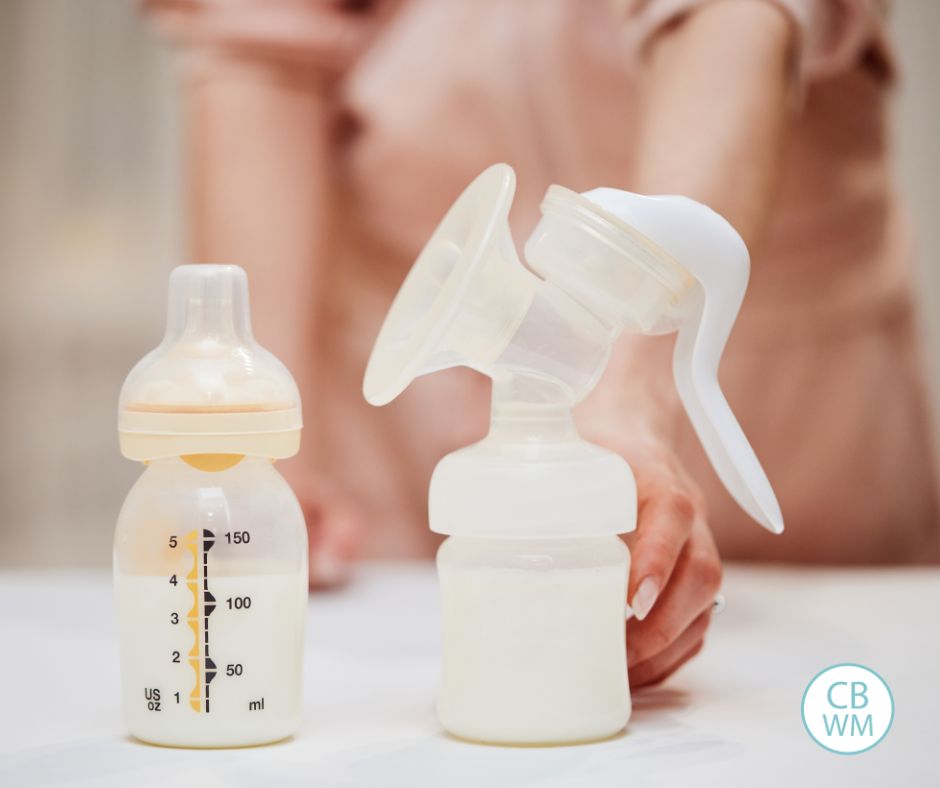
x=209 y=387
x=208 y=304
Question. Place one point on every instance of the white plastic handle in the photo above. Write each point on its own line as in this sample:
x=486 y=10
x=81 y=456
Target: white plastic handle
x=709 y=248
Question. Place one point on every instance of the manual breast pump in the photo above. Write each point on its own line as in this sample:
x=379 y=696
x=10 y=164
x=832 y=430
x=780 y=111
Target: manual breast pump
x=210 y=552
x=533 y=575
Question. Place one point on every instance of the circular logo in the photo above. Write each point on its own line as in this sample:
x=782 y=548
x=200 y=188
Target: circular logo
x=847 y=708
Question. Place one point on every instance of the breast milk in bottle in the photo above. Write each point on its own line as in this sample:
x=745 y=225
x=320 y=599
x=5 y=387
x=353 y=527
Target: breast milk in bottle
x=210 y=552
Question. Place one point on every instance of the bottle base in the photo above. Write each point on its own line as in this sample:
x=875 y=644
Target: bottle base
x=544 y=739
x=210 y=744
x=207 y=741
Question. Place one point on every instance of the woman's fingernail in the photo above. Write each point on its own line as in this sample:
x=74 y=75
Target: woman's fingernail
x=644 y=598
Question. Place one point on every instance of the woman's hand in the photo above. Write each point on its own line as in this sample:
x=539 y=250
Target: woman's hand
x=675 y=570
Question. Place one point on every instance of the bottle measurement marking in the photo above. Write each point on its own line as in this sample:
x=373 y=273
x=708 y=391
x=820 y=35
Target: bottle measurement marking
x=197 y=581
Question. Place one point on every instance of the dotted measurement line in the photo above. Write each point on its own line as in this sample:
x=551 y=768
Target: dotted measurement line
x=208 y=605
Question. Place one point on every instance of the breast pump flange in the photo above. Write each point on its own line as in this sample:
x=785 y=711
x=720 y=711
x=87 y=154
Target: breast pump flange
x=533 y=574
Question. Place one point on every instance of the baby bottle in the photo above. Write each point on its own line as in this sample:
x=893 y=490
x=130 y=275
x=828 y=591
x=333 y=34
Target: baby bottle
x=533 y=574
x=210 y=552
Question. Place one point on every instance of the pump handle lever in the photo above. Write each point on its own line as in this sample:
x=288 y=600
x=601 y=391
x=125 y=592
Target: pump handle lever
x=710 y=249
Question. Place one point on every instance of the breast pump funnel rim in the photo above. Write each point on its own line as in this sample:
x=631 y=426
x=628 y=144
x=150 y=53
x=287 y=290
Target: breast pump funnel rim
x=424 y=329
x=469 y=301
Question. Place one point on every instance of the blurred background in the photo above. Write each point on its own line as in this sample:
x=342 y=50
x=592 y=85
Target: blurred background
x=91 y=223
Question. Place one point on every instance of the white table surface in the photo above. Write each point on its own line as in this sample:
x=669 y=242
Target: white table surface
x=731 y=718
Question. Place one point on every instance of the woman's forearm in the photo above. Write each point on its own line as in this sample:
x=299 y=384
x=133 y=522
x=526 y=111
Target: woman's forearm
x=259 y=190
x=716 y=95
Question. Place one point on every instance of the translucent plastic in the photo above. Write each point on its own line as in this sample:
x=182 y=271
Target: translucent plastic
x=522 y=481
x=210 y=571
x=627 y=281
x=534 y=647
x=468 y=300
x=209 y=387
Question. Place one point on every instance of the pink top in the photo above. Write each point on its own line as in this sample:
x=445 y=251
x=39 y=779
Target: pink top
x=822 y=368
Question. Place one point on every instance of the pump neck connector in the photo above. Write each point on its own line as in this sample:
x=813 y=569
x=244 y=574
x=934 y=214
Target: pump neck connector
x=530 y=409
